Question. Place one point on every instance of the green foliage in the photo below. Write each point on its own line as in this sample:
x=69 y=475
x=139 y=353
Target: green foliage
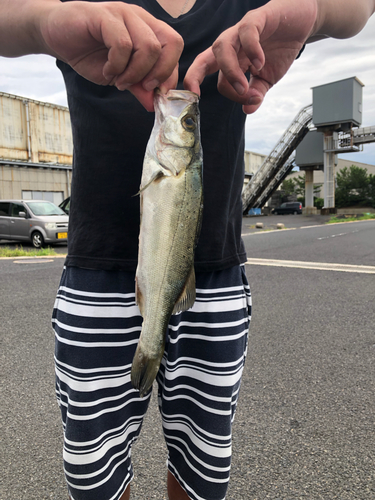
x=288 y=186
x=371 y=189
x=354 y=187
x=318 y=203
x=20 y=252
x=297 y=185
x=299 y=188
x=335 y=220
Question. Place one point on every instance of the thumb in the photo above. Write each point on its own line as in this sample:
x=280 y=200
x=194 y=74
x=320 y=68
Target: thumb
x=145 y=97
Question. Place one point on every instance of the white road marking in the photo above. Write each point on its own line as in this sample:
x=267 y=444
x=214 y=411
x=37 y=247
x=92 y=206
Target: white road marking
x=32 y=261
x=334 y=235
x=268 y=231
x=323 y=266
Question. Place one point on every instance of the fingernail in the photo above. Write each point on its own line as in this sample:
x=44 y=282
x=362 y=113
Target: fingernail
x=255 y=100
x=257 y=64
x=151 y=85
x=239 y=88
x=123 y=86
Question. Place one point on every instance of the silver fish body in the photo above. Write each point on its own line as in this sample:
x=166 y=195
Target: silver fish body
x=171 y=211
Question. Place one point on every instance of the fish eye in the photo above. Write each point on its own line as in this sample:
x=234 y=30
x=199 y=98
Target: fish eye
x=188 y=122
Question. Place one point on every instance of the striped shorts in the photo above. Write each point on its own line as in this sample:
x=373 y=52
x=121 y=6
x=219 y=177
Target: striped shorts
x=97 y=325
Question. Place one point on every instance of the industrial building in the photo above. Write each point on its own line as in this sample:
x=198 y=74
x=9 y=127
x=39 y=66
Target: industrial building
x=36 y=149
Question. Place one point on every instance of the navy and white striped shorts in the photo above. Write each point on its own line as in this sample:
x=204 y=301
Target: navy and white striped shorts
x=97 y=326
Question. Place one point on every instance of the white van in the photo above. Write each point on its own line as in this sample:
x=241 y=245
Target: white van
x=38 y=221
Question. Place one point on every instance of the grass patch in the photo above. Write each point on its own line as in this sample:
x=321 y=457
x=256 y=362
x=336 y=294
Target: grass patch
x=351 y=218
x=20 y=252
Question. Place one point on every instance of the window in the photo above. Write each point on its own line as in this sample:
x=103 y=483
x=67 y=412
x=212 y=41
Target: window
x=55 y=196
x=17 y=208
x=44 y=208
x=4 y=208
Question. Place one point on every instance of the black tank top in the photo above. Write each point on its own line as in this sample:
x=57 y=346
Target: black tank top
x=110 y=133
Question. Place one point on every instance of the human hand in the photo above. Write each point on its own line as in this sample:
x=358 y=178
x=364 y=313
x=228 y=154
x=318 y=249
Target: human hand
x=114 y=43
x=265 y=42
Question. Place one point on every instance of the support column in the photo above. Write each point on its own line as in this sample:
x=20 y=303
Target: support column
x=309 y=193
x=329 y=172
x=309 y=188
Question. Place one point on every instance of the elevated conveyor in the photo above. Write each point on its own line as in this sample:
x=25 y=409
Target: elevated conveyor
x=278 y=163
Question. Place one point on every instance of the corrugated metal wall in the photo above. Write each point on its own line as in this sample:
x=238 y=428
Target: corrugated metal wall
x=34 y=131
x=253 y=161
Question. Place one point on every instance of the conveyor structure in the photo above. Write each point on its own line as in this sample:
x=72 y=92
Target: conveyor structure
x=278 y=163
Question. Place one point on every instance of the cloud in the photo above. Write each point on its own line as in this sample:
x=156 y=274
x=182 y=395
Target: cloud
x=35 y=77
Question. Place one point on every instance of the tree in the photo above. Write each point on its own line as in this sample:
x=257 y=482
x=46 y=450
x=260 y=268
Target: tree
x=371 y=189
x=353 y=187
x=288 y=186
x=298 y=184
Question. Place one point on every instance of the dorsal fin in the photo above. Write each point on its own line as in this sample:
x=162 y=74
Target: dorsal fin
x=187 y=298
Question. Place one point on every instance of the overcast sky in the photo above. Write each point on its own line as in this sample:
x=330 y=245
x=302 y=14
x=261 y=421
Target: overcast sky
x=322 y=62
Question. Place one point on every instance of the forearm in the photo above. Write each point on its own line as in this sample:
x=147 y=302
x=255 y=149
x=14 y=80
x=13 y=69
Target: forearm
x=20 y=22
x=341 y=18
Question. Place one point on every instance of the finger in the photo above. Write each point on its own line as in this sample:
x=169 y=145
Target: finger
x=253 y=98
x=146 y=51
x=117 y=39
x=166 y=65
x=242 y=38
x=258 y=88
x=171 y=82
x=146 y=98
x=249 y=30
x=156 y=50
x=226 y=49
x=203 y=65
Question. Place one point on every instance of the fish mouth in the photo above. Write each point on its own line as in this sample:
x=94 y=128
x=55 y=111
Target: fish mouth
x=172 y=103
x=177 y=95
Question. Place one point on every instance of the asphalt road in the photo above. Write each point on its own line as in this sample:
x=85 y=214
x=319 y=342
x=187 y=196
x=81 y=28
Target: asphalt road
x=304 y=427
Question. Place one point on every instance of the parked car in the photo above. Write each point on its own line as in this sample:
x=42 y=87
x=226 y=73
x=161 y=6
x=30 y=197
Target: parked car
x=65 y=205
x=292 y=207
x=38 y=221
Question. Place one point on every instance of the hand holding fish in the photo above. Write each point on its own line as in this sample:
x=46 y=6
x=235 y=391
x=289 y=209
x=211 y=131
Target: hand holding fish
x=267 y=41
x=108 y=43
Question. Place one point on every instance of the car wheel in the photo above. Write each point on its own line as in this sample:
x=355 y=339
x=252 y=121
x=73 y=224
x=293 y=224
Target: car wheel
x=276 y=213
x=295 y=212
x=37 y=239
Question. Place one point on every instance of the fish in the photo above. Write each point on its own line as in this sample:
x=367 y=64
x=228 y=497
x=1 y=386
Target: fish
x=171 y=206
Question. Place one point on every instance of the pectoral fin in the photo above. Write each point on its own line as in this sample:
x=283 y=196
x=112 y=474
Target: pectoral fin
x=157 y=176
x=187 y=298
x=152 y=171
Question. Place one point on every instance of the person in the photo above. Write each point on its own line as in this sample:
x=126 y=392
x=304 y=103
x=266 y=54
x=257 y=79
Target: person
x=231 y=53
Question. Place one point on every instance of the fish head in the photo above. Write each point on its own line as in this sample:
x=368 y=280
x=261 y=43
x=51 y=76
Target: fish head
x=176 y=130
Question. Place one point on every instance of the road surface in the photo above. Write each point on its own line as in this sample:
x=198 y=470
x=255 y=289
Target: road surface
x=304 y=428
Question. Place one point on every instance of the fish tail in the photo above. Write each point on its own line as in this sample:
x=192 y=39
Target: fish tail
x=144 y=371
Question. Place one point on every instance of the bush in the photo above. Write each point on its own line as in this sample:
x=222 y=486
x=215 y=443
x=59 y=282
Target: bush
x=354 y=187
x=318 y=203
